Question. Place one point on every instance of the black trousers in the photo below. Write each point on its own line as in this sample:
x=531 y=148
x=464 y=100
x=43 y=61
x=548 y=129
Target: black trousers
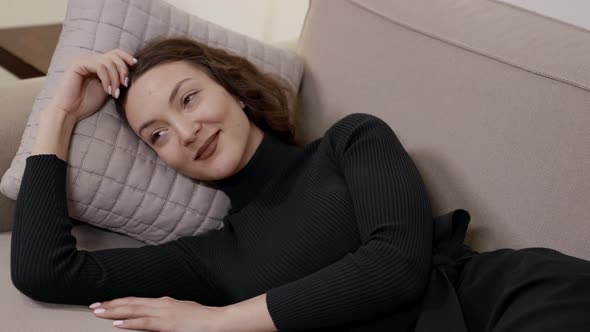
x=506 y=290
x=533 y=289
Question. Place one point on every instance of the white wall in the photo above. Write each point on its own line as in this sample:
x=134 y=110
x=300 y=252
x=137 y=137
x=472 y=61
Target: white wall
x=576 y=12
x=18 y=13
x=266 y=20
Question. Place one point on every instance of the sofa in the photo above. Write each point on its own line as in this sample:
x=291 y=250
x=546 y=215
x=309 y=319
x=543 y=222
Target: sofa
x=491 y=101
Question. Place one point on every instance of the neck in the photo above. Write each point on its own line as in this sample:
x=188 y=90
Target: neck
x=270 y=158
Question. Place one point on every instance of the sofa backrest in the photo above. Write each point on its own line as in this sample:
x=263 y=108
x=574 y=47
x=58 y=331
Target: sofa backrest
x=492 y=102
x=16 y=98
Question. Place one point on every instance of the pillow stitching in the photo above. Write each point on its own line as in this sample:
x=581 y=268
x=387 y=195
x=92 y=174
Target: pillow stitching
x=131 y=152
x=95 y=123
x=134 y=220
x=149 y=14
x=130 y=220
x=170 y=28
x=173 y=230
x=202 y=221
x=170 y=7
x=208 y=210
x=124 y=184
x=166 y=203
x=115 y=145
x=176 y=175
x=108 y=162
x=207 y=34
x=136 y=155
x=121 y=30
x=146 y=192
x=188 y=24
x=136 y=189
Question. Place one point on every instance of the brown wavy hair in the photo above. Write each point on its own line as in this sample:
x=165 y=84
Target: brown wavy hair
x=265 y=95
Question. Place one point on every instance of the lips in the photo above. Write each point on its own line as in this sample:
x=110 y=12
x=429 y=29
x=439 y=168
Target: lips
x=206 y=144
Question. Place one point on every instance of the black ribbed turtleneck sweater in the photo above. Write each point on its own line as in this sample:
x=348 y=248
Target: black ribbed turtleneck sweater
x=335 y=232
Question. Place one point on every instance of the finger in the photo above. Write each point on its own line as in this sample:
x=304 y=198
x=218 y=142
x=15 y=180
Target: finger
x=103 y=75
x=113 y=76
x=127 y=311
x=121 y=69
x=129 y=59
x=89 y=67
x=132 y=300
x=145 y=323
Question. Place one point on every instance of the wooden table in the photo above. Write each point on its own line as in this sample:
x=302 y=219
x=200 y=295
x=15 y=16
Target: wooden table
x=26 y=51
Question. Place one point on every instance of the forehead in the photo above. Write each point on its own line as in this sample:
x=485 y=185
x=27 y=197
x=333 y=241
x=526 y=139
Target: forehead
x=163 y=77
x=149 y=94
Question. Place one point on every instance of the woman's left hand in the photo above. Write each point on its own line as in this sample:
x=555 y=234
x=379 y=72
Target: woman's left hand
x=163 y=314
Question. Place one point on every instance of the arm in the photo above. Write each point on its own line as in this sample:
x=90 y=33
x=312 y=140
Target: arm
x=54 y=132
x=248 y=316
x=391 y=267
x=45 y=263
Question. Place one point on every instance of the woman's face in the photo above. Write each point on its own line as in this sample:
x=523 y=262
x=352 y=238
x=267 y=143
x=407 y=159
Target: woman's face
x=175 y=108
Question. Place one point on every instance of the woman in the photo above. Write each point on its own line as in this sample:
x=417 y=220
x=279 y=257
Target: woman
x=333 y=235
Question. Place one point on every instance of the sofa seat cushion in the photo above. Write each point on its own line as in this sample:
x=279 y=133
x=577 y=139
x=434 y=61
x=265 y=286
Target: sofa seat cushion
x=21 y=313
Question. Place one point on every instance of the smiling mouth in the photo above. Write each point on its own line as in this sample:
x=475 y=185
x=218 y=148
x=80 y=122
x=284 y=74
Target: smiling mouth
x=206 y=150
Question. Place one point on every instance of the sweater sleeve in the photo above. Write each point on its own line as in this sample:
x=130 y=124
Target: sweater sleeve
x=391 y=267
x=47 y=266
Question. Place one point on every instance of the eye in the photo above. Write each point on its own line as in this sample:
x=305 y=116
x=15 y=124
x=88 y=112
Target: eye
x=188 y=99
x=156 y=135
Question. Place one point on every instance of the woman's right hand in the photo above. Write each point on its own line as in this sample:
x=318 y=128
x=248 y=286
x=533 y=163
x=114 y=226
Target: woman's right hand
x=89 y=80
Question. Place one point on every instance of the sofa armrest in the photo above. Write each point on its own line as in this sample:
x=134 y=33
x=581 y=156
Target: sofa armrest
x=16 y=102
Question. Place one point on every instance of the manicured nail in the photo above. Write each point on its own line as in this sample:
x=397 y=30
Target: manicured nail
x=109 y=89
x=94 y=305
x=117 y=93
x=134 y=60
x=126 y=81
x=99 y=311
x=117 y=322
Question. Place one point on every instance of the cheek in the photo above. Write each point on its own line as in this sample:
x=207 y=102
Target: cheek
x=170 y=155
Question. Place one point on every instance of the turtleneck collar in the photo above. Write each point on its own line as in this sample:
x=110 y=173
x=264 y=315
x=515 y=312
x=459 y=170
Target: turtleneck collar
x=270 y=158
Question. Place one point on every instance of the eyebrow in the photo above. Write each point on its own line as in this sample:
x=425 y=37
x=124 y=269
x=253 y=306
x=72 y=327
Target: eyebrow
x=170 y=101
x=175 y=90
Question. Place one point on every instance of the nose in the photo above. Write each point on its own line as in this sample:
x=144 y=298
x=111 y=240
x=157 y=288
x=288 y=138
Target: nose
x=187 y=133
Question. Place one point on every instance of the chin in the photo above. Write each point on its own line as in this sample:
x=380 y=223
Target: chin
x=215 y=169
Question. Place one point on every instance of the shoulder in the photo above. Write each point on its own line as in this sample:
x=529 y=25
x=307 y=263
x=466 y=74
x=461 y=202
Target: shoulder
x=357 y=127
x=354 y=121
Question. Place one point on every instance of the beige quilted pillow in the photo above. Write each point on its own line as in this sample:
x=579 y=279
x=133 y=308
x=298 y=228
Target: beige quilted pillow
x=115 y=181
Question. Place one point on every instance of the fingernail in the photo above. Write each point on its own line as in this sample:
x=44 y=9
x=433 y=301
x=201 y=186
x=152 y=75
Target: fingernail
x=117 y=93
x=109 y=89
x=94 y=305
x=117 y=322
x=99 y=311
x=126 y=81
x=134 y=60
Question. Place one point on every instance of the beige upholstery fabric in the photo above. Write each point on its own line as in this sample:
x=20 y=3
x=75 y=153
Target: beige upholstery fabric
x=509 y=145
x=115 y=181
x=492 y=103
x=20 y=313
x=16 y=99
